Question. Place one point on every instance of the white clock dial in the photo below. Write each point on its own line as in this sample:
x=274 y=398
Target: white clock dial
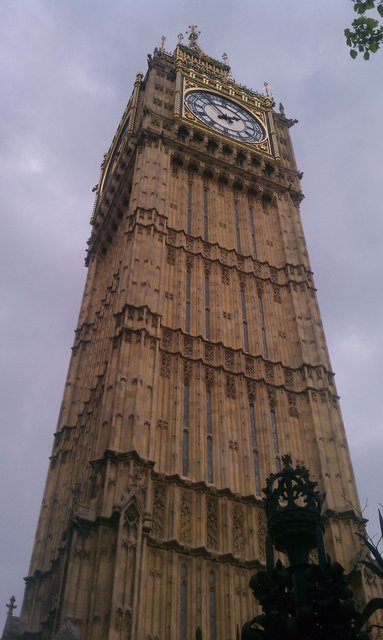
x=225 y=116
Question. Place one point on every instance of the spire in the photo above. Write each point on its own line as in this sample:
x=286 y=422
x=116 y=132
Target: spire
x=193 y=34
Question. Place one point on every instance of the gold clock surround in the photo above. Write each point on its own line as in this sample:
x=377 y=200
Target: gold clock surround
x=216 y=79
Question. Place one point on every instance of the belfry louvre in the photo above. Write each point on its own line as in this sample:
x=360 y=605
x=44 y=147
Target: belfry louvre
x=199 y=359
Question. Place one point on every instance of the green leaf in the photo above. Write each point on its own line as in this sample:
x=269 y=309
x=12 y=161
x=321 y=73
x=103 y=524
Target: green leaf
x=378 y=572
x=353 y=54
x=369 y=609
x=371 y=23
x=359 y=7
x=380 y=10
x=374 y=46
x=373 y=550
x=366 y=56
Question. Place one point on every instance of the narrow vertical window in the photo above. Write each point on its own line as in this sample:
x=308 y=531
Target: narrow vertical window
x=252 y=227
x=205 y=216
x=190 y=199
x=255 y=449
x=209 y=429
x=274 y=433
x=263 y=327
x=186 y=404
x=207 y=307
x=188 y=302
x=185 y=436
x=208 y=413
x=185 y=453
x=237 y=231
x=212 y=607
x=244 y=320
x=183 y=603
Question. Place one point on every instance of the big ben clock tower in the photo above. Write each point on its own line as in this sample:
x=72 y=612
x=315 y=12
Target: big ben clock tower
x=199 y=358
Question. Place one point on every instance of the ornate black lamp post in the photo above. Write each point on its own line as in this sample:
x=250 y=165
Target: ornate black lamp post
x=302 y=601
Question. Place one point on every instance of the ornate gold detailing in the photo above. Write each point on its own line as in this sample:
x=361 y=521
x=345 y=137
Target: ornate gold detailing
x=195 y=70
x=193 y=37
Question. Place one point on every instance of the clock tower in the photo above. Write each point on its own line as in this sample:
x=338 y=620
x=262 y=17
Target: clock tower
x=199 y=358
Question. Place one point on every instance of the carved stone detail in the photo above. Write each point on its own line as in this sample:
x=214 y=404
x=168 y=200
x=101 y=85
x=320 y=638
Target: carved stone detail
x=289 y=377
x=188 y=370
x=277 y=294
x=171 y=257
x=293 y=411
x=167 y=339
x=188 y=346
x=209 y=354
x=238 y=535
x=186 y=517
x=262 y=531
x=159 y=509
x=212 y=523
x=250 y=367
x=165 y=365
x=225 y=275
x=272 y=397
x=251 y=386
x=230 y=386
x=209 y=378
x=229 y=359
x=269 y=372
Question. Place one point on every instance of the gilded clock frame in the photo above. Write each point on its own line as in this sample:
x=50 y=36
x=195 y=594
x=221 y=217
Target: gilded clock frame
x=187 y=114
x=216 y=79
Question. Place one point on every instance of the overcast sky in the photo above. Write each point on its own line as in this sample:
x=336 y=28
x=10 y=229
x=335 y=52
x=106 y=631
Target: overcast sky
x=67 y=69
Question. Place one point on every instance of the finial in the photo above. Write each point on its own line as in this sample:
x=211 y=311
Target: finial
x=162 y=43
x=180 y=38
x=193 y=36
x=225 y=58
x=11 y=606
x=287 y=460
x=281 y=109
x=267 y=86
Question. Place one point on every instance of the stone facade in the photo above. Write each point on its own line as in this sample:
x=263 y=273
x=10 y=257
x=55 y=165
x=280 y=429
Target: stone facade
x=199 y=358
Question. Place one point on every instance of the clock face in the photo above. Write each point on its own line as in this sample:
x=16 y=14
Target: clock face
x=225 y=116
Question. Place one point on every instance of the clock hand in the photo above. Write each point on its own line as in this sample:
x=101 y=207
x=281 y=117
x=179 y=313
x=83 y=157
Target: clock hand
x=215 y=106
x=229 y=119
x=222 y=115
